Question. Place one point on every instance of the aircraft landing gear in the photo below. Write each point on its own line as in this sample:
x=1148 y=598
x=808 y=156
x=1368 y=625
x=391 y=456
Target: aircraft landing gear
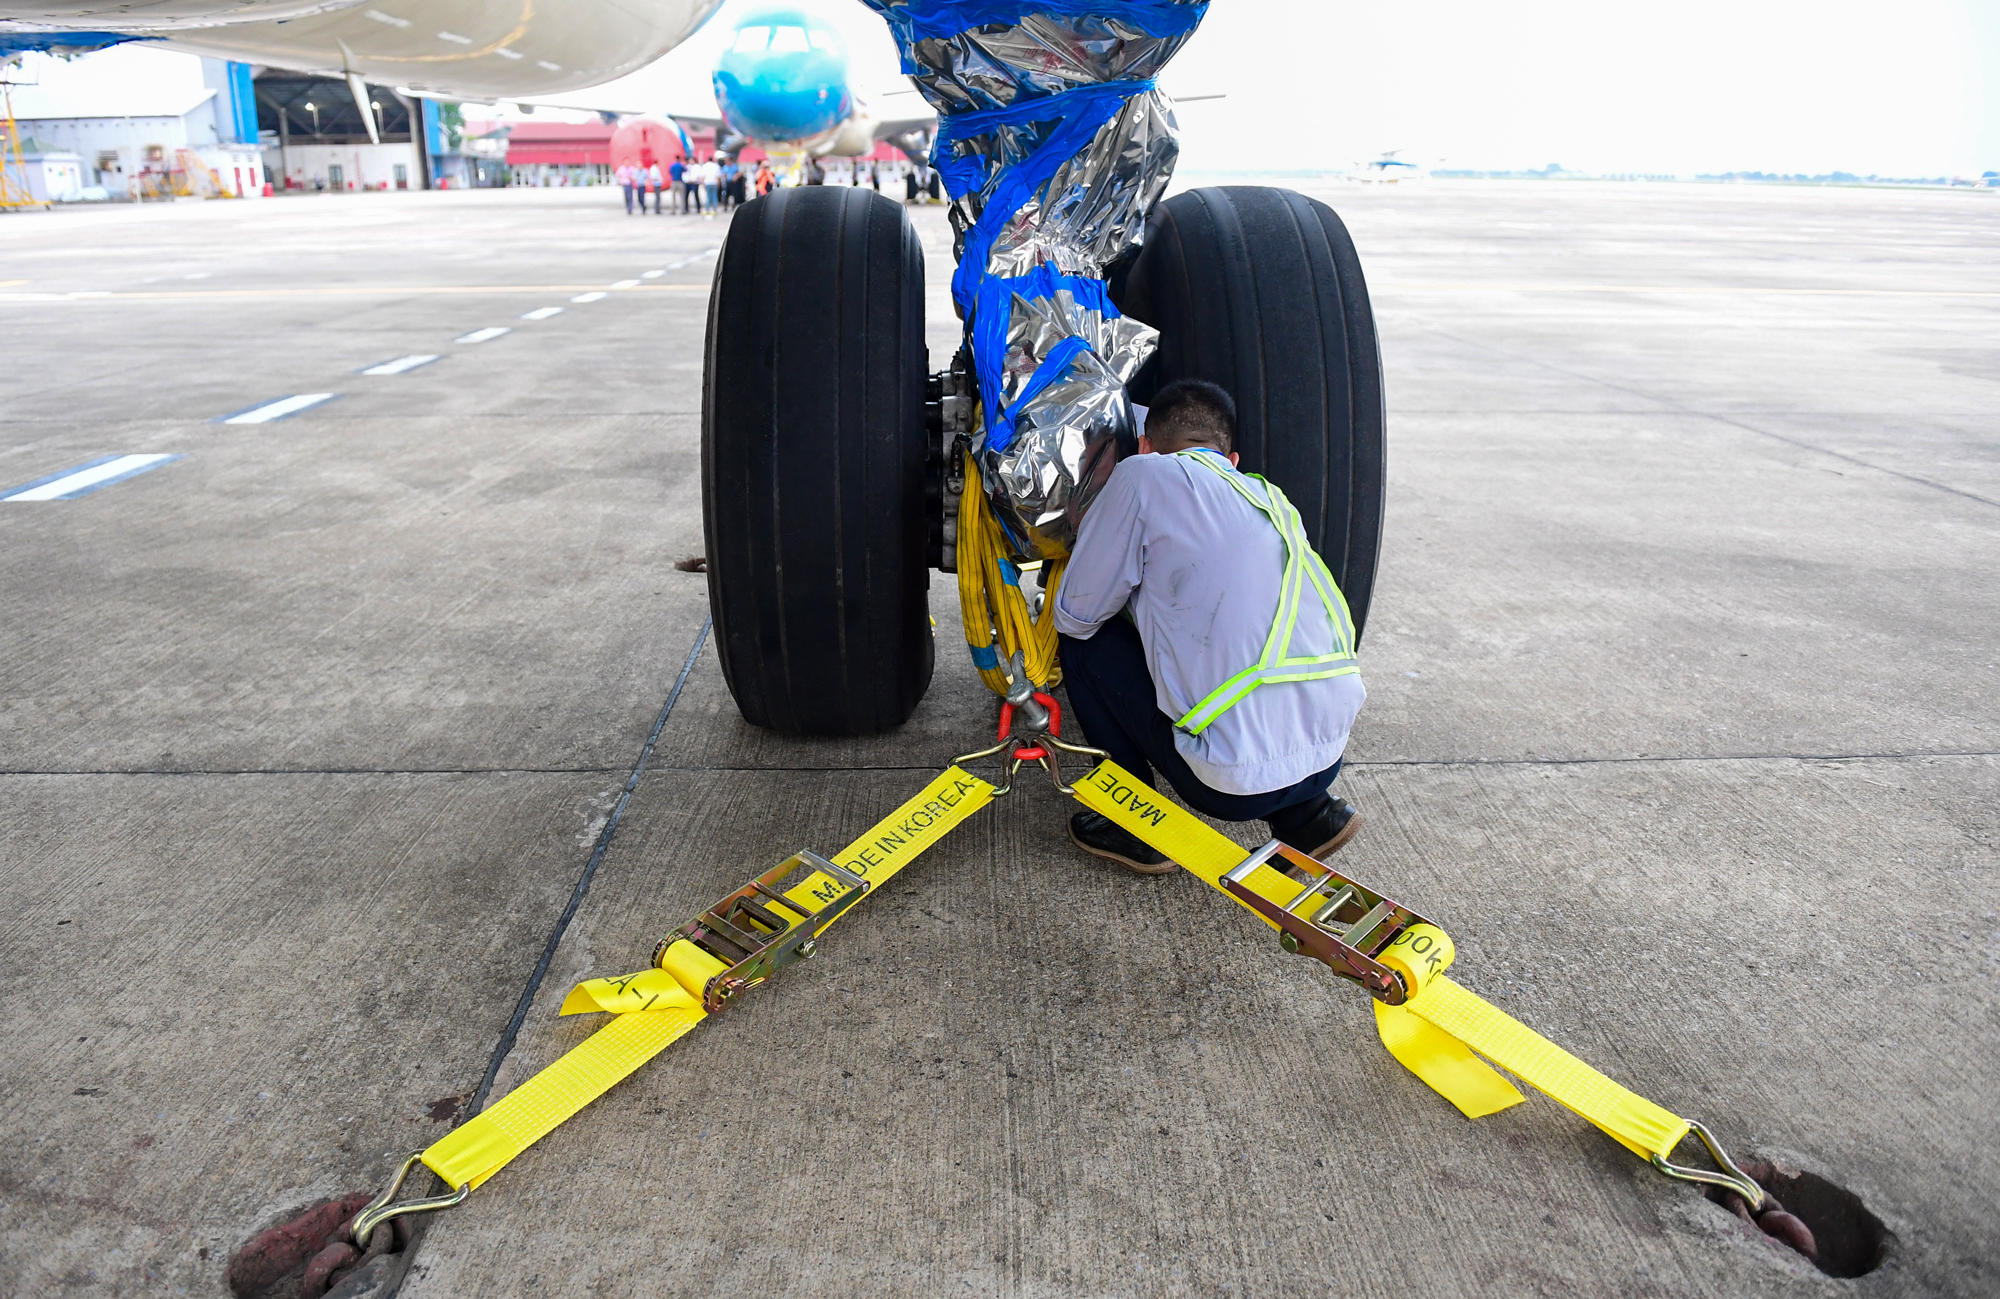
x=832 y=462
x=813 y=470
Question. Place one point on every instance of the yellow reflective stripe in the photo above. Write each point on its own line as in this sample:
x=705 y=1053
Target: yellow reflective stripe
x=1322 y=577
x=1440 y=1033
x=1301 y=562
x=1251 y=678
x=483 y=1144
x=1283 y=623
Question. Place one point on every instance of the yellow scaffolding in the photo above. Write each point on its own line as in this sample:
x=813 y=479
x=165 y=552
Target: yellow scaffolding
x=14 y=188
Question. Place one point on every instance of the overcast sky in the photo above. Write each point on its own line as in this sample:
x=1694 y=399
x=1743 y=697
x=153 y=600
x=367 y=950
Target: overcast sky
x=1894 y=89
x=1697 y=86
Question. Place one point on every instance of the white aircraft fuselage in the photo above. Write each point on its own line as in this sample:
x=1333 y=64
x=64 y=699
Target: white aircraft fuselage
x=471 y=49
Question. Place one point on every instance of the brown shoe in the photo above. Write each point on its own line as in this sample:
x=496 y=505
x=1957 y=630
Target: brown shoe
x=1333 y=829
x=1100 y=836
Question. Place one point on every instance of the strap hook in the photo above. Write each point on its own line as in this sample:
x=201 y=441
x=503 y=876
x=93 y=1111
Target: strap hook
x=379 y=1210
x=1731 y=1178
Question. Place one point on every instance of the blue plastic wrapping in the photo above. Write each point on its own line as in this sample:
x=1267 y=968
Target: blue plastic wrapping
x=1054 y=144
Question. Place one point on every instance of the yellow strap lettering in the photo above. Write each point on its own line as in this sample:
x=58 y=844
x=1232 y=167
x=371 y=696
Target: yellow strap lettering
x=655 y=1008
x=1443 y=1030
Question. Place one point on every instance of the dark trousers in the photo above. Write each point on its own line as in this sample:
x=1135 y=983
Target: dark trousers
x=628 y=200
x=1111 y=697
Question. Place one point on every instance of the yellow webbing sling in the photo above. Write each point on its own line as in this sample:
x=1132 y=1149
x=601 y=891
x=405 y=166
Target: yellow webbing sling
x=1436 y=1033
x=655 y=1008
x=990 y=599
x=1440 y=1033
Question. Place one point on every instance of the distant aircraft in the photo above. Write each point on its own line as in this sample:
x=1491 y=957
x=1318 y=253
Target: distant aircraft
x=459 y=49
x=782 y=83
x=1387 y=168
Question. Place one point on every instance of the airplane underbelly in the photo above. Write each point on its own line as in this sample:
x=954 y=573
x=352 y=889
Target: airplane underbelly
x=477 y=49
x=152 y=15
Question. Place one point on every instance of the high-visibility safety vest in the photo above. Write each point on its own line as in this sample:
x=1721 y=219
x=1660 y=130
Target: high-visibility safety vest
x=1301 y=562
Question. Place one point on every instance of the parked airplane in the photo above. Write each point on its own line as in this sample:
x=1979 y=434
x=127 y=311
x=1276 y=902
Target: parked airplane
x=470 y=49
x=782 y=83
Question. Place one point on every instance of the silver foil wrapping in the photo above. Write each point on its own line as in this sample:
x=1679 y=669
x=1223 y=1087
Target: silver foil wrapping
x=996 y=65
x=1067 y=439
x=1092 y=210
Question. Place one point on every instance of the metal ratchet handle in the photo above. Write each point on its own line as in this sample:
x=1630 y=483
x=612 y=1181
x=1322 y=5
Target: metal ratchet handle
x=746 y=932
x=1310 y=924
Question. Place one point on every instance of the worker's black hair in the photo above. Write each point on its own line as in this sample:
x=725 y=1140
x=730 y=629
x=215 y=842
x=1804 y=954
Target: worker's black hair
x=1191 y=412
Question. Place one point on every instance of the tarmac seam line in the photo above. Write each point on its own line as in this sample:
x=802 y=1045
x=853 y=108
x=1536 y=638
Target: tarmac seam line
x=582 y=889
x=505 y=1046
x=1470 y=762
x=1673 y=757
x=851 y=769
x=308 y=771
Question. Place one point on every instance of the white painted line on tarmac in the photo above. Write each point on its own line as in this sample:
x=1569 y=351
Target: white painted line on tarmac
x=282 y=408
x=645 y=275
x=626 y=284
x=86 y=478
x=590 y=297
x=405 y=290
x=543 y=313
x=401 y=365
x=482 y=335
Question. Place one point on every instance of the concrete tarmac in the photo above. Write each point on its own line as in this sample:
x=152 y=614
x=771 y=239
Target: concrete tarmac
x=1682 y=700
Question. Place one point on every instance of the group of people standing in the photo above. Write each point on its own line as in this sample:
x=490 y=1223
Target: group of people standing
x=705 y=187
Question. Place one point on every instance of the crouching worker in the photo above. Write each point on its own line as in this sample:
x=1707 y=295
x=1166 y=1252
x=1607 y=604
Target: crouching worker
x=1203 y=638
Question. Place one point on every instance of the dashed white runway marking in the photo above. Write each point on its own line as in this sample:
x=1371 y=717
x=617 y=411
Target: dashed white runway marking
x=646 y=275
x=401 y=365
x=282 y=408
x=85 y=478
x=588 y=297
x=482 y=335
x=626 y=284
x=543 y=313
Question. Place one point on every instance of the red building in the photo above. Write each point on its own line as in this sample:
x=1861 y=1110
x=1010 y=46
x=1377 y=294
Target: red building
x=565 y=153
x=558 y=144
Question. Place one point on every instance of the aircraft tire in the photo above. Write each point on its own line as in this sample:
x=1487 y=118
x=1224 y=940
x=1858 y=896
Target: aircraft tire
x=1260 y=290
x=812 y=463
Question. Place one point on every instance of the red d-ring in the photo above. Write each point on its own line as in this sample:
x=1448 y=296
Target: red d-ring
x=1055 y=712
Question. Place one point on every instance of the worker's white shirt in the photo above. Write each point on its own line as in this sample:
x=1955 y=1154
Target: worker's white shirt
x=1201 y=571
x=710 y=173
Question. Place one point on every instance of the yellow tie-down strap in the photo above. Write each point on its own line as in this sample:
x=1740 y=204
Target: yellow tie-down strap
x=655 y=1008
x=1436 y=1033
